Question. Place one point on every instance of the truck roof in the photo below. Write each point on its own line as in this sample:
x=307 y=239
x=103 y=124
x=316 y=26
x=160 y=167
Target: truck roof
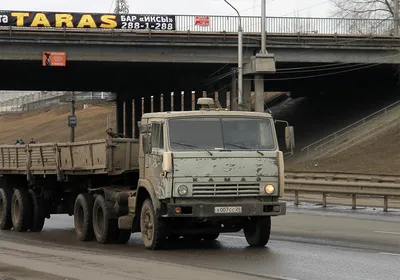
x=174 y=114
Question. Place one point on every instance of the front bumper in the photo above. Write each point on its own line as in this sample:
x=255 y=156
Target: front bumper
x=208 y=210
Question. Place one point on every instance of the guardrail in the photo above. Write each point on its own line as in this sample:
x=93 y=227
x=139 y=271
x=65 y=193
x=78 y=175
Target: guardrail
x=274 y=25
x=382 y=186
x=343 y=135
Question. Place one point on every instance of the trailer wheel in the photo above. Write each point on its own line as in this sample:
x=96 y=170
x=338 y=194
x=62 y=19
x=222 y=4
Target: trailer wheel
x=38 y=212
x=123 y=236
x=105 y=228
x=5 y=209
x=83 y=217
x=153 y=228
x=257 y=231
x=21 y=210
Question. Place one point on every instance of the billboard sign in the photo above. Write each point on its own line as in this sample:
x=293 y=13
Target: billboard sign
x=87 y=20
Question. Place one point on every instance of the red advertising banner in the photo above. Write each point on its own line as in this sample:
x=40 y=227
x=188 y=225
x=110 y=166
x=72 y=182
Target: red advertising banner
x=202 y=20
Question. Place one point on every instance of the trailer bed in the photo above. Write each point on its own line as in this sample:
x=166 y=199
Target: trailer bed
x=104 y=156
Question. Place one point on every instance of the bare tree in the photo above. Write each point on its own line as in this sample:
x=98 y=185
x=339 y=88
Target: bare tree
x=364 y=9
x=381 y=12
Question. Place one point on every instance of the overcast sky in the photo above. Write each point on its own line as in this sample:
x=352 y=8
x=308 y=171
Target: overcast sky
x=306 y=8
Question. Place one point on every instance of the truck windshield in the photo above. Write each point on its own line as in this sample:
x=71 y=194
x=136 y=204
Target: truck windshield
x=227 y=133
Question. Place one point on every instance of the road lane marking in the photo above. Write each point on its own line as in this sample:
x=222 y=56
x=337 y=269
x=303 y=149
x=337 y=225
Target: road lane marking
x=387 y=232
x=390 y=254
x=233 y=236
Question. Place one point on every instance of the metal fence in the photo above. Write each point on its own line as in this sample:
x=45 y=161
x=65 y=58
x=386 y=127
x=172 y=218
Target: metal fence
x=289 y=25
x=274 y=25
x=40 y=100
x=354 y=185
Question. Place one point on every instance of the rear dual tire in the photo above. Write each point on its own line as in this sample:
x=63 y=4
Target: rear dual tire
x=21 y=210
x=105 y=226
x=39 y=215
x=5 y=209
x=93 y=221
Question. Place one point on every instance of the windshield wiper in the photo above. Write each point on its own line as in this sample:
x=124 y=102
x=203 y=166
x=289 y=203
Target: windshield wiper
x=190 y=145
x=244 y=147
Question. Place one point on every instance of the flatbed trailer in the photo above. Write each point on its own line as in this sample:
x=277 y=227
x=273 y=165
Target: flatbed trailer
x=110 y=157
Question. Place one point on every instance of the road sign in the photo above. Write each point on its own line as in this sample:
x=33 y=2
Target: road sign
x=72 y=121
x=54 y=59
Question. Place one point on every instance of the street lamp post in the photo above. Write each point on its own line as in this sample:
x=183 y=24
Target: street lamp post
x=263 y=27
x=240 y=57
x=259 y=78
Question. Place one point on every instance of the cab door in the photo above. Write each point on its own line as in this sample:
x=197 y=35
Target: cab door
x=154 y=160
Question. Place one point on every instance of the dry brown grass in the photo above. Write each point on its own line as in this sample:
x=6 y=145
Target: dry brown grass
x=50 y=124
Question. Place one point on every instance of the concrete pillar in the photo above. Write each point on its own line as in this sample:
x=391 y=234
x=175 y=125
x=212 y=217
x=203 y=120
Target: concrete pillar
x=138 y=115
x=259 y=93
x=222 y=98
x=167 y=101
x=157 y=103
x=128 y=118
x=187 y=101
x=198 y=94
x=119 y=111
x=147 y=104
x=246 y=94
x=177 y=100
x=234 y=94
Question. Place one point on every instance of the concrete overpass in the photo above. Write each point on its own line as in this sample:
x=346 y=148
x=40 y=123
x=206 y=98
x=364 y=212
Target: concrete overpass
x=138 y=63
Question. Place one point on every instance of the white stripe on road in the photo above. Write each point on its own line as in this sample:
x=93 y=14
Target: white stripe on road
x=390 y=254
x=388 y=232
x=233 y=236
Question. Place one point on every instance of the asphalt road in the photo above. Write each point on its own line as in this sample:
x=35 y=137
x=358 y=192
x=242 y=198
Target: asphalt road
x=308 y=245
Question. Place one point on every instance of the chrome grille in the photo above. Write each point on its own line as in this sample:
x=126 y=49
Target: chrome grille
x=232 y=190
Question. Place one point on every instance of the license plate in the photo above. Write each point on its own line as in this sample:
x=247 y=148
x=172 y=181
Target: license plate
x=230 y=209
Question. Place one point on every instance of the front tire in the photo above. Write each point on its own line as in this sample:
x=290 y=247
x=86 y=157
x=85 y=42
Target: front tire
x=83 y=218
x=5 y=209
x=153 y=228
x=105 y=228
x=257 y=231
x=21 y=210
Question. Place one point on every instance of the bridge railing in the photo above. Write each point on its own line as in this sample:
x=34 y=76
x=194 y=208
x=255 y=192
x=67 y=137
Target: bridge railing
x=354 y=185
x=274 y=25
x=288 y=25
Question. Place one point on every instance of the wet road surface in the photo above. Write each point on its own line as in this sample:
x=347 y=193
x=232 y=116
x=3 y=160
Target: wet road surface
x=308 y=245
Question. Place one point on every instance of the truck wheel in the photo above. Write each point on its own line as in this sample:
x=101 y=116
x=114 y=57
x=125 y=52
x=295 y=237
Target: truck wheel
x=257 y=231
x=38 y=212
x=5 y=209
x=153 y=228
x=105 y=228
x=83 y=217
x=21 y=210
x=123 y=236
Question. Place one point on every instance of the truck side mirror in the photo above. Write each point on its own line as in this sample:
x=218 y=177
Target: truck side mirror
x=146 y=143
x=289 y=137
x=144 y=128
x=167 y=162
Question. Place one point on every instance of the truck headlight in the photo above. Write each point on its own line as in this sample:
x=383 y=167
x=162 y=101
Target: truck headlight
x=183 y=190
x=269 y=189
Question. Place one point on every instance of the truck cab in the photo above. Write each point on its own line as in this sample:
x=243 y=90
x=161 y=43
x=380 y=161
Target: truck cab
x=207 y=172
